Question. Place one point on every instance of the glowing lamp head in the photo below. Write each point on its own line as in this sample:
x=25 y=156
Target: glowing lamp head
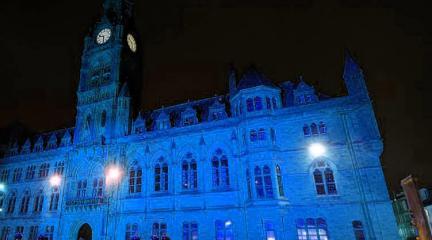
x=55 y=181
x=113 y=174
x=228 y=223
x=317 y=150
x=2 y=187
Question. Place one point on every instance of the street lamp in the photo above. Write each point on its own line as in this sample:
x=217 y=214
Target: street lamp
x=113 y=174
x=317 y=150
x=2 y=187
x=55 y=180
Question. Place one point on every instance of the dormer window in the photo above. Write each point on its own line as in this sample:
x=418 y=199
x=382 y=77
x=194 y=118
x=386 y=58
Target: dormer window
x=258 y=103
x=249 y=105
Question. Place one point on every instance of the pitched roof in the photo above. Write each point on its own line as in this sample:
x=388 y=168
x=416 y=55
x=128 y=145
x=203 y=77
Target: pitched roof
x=253 y=78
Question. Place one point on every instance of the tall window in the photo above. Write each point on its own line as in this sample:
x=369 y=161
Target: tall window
x=135 y=180
x=25 y=202
x=263 y=182
x=358 y=230
x=59 y=168
x=98 y=184
x=261 y=134
x=279 y=181
x=268 y=103
x=314 y=129
x=324 y=179
x=33 y=233
x=220 y=170
x=131 y=231
x=49 y=232
x=306 y=130
x=253 y=136
x=224 y=230
x=17 y=175
x=11 y=202
x=44 y=170
x=5 y=233
x=19 y=230
x=161 y=177
x=270 y=232
x=54 y=199
x=274 y=103
x=249 y=105
x=31 y=170
x=159 y=229
x=2 y=199
x=189 y=174
x=103 y=118
x=4 y=175
x=38 y=202
x=312 y=229
x=322 y=128
x=258 y=103
x=81 y=189
x=190 y=231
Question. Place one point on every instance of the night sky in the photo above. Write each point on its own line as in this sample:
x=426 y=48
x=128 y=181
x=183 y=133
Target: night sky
x=188 y=46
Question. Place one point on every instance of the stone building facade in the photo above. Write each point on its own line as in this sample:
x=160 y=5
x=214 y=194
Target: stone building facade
x=264 y=161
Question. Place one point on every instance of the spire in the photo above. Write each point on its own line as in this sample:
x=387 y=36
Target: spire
x=232 y=78
x=354 y=78
x=117 y=8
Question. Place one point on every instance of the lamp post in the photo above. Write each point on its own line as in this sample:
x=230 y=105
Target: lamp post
x=55 y=182
x=112 y=178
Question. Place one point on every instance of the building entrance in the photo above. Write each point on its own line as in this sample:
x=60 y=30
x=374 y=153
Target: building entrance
x=85 y=232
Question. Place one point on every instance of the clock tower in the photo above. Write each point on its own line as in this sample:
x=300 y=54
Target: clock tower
x=110 y=78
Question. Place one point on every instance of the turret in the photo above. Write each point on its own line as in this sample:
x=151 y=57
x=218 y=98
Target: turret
x=354 y=78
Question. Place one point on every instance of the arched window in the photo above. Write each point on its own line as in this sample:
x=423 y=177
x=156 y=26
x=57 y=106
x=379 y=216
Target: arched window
x=253 y=135
x=81 y=189
x=314 y=129
x=279 y=181
x=25 y=202
x=131 y=231
x=189 y=174
x=330 y=181
x=103 y=118
x=38 y=202
x=358 y=230
x=258 y=103
x=261 y=134
x=249 y=105
x=220 y=171
x=306 y=130
x=322 y=128
x=319 y=182
x=268 y=182
x=190 y=231
x=161 y=177
x=44 y=170
x=59 y=168
x=98 y=185
x=17 y=175
x=31 y=170
x=11 y=203
x=268 y=103
x=159 y=229
x=274 y=103
x=54 y=200
x=248 y=182
x=324 y=179
x=2 y=199
x=224 y=230
x=135 y=180
x=259 y=185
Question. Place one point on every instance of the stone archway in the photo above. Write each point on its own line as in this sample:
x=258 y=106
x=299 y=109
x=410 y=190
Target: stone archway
x=85 y=232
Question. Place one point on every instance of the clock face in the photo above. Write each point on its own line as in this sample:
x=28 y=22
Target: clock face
x=103 y=36
x=131 y=42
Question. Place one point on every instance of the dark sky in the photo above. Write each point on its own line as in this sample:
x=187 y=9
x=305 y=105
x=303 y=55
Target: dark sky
x=188 y=46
